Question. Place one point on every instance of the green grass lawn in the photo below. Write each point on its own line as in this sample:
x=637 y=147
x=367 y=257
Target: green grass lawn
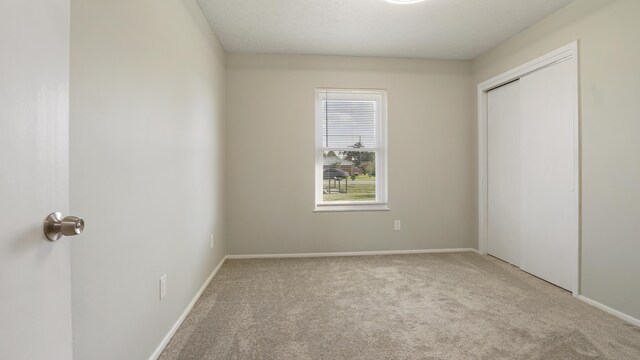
x=356 y=192
x=364 y=178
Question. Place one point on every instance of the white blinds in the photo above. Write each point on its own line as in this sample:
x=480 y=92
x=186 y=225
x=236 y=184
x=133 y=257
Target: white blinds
x=348 y=123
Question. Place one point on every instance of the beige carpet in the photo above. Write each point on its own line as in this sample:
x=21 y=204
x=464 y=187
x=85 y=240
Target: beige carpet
x=431 y=306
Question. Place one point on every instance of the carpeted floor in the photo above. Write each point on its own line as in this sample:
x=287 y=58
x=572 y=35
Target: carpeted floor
x=427 y=306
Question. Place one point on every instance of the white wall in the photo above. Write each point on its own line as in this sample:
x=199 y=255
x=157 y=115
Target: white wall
x=270 y=163
x=608 y=33
x=147 y=158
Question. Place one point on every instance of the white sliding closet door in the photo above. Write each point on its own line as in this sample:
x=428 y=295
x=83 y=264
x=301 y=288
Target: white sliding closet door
x=504 y=182
x=549 y=168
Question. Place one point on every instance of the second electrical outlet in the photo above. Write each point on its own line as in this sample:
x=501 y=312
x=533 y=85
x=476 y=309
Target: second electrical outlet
x=163 y=286
x=396 y=225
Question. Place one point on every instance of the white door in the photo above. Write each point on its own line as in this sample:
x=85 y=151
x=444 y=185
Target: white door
x=549 y=174
x=504 y=183
x=35 y=295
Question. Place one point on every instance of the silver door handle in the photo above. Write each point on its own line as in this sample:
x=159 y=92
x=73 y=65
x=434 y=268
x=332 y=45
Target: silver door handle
x=55 y=226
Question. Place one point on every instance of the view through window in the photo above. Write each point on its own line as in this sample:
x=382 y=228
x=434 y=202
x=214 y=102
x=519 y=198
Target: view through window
x=351 y=151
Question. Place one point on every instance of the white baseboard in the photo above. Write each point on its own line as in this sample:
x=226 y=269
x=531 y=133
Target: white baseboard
x=175 y=326
x=611 y=311
x=353 y=253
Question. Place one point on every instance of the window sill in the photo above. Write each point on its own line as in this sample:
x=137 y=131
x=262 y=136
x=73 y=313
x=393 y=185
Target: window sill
x=342 y=208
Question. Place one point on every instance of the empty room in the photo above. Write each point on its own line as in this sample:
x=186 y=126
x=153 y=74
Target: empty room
x=320 y=179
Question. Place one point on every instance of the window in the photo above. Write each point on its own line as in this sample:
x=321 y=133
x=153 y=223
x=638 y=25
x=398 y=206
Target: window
x=351 y=153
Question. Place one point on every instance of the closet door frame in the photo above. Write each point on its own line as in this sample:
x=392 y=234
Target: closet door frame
x=567 y=53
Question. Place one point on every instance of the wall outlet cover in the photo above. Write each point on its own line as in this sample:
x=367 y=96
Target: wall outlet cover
x=163 y=286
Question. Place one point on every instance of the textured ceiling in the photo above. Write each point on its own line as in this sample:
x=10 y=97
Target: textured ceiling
x=439 y=29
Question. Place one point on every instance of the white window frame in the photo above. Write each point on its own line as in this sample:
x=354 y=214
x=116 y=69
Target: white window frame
x=380 y=204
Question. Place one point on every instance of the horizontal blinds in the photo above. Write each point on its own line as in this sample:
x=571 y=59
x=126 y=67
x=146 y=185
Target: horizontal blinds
x=348 y=123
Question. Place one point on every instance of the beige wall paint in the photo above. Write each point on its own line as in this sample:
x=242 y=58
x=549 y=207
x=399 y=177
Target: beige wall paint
x=147 y=159
x=270 y=147
x=608 y=33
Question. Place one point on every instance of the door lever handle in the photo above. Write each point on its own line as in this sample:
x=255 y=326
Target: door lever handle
x=55 y=226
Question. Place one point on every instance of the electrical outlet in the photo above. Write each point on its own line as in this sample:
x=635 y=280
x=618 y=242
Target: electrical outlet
x=163 y=286
x=211 y=240
x=397 y=225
